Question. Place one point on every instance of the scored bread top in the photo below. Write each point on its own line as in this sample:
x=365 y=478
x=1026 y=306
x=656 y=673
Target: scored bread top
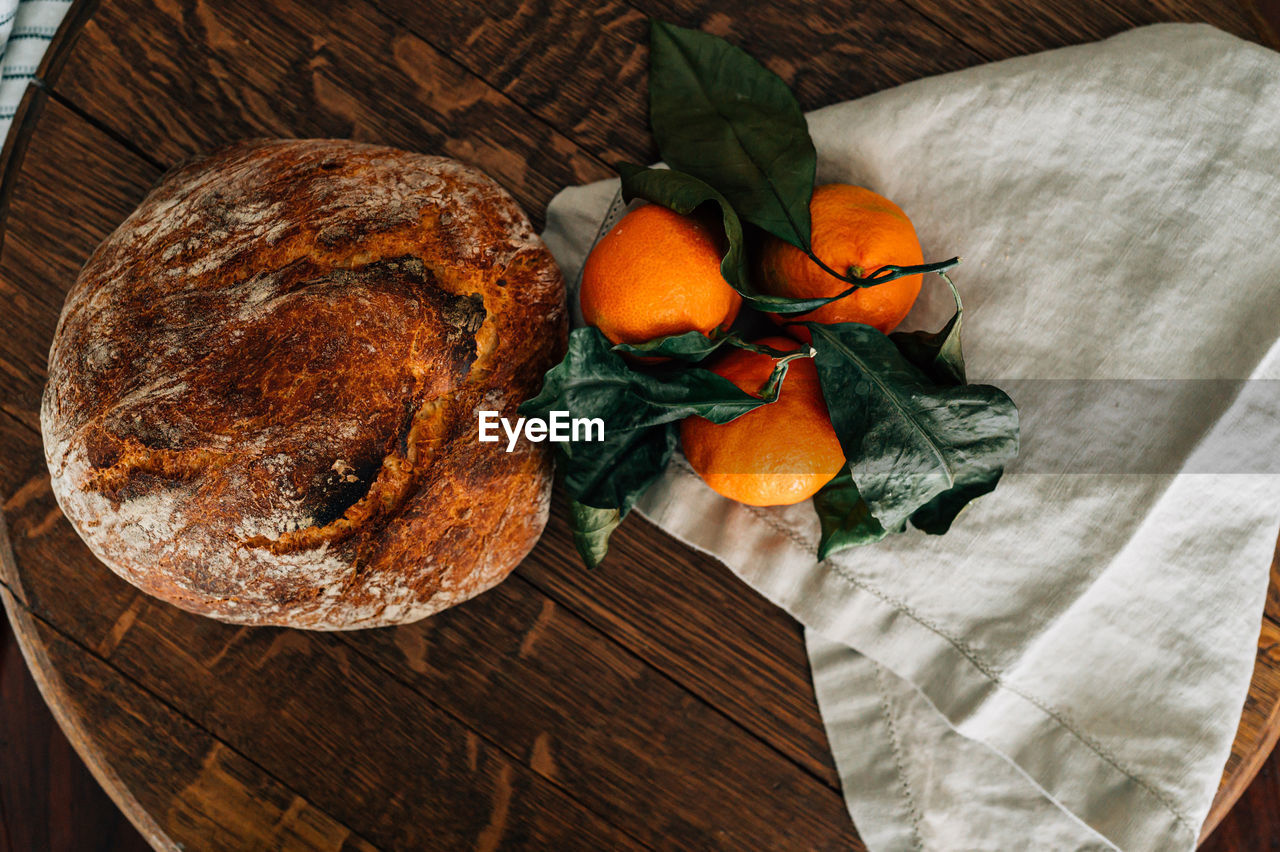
x=263 y=386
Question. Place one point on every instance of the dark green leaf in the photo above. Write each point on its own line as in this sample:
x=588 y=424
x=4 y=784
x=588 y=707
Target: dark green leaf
x=935 y=517
x=694 y=346
x=845 y=517
x=937 y=353
x=907 y=439
x=736 y=131
x=684 y=193
x=638 y=408
x=612 y=474
x=591 y=531
x=595 y=381
x=689 y=346
x=724 y=118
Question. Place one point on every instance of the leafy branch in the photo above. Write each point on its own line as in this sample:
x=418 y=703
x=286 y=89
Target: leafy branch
x=919 y=441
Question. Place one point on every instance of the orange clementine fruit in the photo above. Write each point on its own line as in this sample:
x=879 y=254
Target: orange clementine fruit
x=856 y=231
x=774 y=455
x=656 y=273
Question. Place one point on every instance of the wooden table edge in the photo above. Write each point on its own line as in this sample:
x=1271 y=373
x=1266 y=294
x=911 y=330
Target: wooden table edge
x=15 y=143
x=51 y=687
x=1227 y=797
x=1230 y=795
x=22 y=620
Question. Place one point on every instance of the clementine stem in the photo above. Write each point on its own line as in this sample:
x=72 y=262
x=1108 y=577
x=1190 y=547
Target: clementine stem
x=893 y=272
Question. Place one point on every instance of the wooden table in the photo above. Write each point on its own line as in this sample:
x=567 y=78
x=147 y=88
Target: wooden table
x=655 y=703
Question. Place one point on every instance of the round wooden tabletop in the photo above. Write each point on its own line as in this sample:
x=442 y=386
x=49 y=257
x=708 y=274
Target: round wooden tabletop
x=657 y=702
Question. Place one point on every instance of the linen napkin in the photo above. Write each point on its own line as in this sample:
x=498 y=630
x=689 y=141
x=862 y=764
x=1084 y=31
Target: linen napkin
x=1066 y=668
x=26 y=28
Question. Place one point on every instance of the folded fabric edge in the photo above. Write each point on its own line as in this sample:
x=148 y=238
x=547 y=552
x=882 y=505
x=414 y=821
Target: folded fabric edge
x=863 y=726
x=868 y=761
x=1076 y=773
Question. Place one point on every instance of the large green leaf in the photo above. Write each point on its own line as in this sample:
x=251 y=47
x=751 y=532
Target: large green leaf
x=639 y=408
x=684 y=193
x=595 y=381
x=724 y=118
x=733 y=125
x=695 y=346
x=936 y=516
x=845 y=517
x=689 y=346
x=591 y=531
x=614 y=477
x=906 y=438
x=937 y=353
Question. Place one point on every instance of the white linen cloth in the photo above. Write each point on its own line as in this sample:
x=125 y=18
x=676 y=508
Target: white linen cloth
x=1066 y=668
x=26 y=28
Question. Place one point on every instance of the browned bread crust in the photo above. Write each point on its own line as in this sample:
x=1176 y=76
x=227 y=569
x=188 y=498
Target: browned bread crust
x=263 y=387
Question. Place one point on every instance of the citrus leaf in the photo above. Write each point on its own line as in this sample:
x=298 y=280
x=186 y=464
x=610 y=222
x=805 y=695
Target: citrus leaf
x=591 y=531
x=907 y=439
x=724 y=118
x=936 y=516
x=845 y=517
x=594 y=381
x=638 y=408
x=689 y=346
x=695 y=346
x=614 y=476
x=684 y=193
x=936 y=353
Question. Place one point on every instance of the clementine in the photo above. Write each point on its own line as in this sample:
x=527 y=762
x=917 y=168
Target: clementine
x=656 y=273
x=854 y=231
x=774 y=455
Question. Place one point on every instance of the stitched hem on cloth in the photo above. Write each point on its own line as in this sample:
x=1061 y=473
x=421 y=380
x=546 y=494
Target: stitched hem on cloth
x=898 y=645
x=894 y=745
x=1051 y=721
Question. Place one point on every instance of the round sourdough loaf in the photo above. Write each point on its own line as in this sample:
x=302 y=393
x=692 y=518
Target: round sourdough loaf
x=263 y=389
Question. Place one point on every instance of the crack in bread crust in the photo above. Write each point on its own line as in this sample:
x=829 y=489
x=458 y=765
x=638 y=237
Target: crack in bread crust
x=263 y=387
x=397 y=476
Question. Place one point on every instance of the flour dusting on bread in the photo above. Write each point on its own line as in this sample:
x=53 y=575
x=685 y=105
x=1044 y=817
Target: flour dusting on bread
x=262 y=388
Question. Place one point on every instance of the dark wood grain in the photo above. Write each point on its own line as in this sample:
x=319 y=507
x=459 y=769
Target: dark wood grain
x=524 y=49
x=241 y=68
x=228 y=800
x=310 y=719
x=659 y=702
x=48 y=799
x=512 y=668
x=687 y=614
x=1254 y=823
x=831 y=51
x=574 y=687
x=998 y=29
x=1265 y=15
x=754 y=668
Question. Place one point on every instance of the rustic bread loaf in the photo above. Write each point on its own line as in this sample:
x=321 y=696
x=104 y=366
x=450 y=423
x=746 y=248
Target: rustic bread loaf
x=263 y=388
